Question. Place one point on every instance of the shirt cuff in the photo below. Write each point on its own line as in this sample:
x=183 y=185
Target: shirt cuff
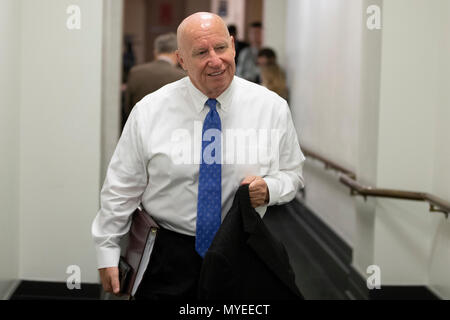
x=107 y=257
x=274 y=190
x=261 y=211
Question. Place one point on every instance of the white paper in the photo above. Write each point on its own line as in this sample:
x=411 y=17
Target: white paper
x=145 y=259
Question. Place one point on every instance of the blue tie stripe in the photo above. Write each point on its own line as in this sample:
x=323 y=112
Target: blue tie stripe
x=209 y=205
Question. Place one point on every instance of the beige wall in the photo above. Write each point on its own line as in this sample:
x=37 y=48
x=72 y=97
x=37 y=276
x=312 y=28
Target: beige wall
x=142 y=21
x=193 y=6
x=9 y=144
x=134 y=16
x=253 y=12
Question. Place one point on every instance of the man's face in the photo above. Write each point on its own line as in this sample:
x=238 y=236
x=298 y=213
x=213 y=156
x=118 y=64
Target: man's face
x=255 y=37
x=263 y=61
x=207 y=54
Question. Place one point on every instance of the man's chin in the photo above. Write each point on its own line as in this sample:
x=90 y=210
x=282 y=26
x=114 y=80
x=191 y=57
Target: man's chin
x=216 y=91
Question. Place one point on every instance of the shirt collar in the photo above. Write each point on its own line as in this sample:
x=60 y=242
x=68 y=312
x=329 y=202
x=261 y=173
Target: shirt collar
x=166 y=59
x=200 y=98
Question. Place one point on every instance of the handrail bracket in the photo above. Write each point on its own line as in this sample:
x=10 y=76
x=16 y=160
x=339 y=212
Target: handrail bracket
x=434 y=208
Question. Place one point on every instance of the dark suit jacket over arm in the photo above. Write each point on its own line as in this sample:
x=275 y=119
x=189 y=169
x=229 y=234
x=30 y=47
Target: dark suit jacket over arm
x=245 y=261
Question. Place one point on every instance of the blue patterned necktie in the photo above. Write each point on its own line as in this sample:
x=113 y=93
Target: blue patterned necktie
x=209 y=205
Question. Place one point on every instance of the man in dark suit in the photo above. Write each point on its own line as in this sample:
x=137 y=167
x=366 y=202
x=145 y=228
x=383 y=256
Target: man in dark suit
x=147 y=78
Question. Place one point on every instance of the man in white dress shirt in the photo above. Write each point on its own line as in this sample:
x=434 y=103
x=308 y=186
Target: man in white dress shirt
x=157 y=160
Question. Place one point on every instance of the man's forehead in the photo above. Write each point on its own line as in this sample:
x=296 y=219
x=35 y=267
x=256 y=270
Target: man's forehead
x=204 y=41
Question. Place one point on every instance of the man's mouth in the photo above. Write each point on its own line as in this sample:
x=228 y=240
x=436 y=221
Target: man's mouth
x=216 y=74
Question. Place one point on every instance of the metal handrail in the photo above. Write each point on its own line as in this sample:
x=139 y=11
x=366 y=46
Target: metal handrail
x=348 y=178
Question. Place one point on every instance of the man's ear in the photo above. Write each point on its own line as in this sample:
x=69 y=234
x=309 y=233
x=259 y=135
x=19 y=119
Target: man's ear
x=233 y=45
x=180 y=59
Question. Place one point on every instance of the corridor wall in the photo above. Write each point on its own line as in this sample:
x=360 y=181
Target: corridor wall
x=9 y=144
x=274 y=20
x=411 y=244
x=376 y=101
x=60 y=142
x=440 y=256
x=323 y=64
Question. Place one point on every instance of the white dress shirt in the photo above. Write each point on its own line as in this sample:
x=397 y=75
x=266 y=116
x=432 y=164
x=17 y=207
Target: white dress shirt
x=156 y=161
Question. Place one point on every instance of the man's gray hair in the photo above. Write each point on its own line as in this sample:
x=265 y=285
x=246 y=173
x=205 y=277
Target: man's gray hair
x=166 y=43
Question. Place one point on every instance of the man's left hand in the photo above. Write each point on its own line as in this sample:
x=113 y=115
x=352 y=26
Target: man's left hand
x=259 y=192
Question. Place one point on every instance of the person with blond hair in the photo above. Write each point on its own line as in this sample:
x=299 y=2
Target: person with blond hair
x=272 y=76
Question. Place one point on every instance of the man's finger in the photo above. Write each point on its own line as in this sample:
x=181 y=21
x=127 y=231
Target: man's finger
x=115 y=284
x=248 y=180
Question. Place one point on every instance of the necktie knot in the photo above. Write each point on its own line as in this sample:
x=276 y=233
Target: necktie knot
x=212 y=104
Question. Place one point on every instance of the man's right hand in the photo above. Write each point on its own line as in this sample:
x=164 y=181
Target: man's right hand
x=110 y=279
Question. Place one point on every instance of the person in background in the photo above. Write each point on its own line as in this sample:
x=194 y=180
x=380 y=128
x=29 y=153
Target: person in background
x=147 y=78
x=247 y=67
x=128 y=58
x=239 y=45
x=272 y=76
x=266 y=56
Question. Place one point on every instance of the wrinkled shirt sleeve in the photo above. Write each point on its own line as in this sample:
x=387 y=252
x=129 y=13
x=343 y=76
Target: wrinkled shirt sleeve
x=286 y=176
x=125 y=182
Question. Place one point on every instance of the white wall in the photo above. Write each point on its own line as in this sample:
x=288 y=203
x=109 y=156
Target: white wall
x=274 y=21
x=368 y=132
x=413 y=145
x=323 y=65
x=440 y=261
x=111 y=79
x=377 y=102
x=60 y=138
x=9 y=144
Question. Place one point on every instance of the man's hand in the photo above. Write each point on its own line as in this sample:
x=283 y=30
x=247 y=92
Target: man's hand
x=110 y=279
x=259 y=192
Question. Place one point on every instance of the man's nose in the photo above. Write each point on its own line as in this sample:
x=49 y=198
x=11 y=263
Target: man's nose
x=214 y=60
